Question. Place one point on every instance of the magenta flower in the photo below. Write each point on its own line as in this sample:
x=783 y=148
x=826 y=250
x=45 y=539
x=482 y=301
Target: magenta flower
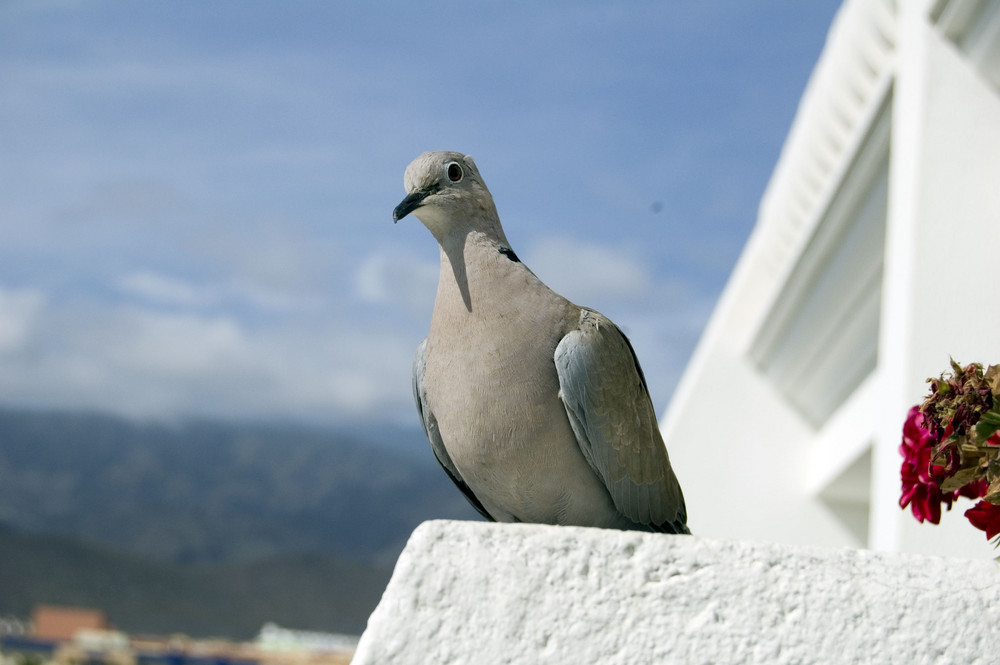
x=921 y=480
x=985 y=516
x=974 y=490
x=951 y=448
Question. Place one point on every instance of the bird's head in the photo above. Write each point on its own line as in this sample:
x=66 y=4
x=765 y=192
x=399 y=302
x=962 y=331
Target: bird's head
x=445 y=191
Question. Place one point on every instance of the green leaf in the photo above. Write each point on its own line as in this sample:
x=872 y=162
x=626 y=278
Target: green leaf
x=961 y=478
x=988 y=423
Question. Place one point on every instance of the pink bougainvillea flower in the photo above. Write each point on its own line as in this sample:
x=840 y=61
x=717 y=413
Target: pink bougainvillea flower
x=986 y=517
x=921 y=480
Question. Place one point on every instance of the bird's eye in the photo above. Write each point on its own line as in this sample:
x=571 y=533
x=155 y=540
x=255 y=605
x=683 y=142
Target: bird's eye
x=454 y=172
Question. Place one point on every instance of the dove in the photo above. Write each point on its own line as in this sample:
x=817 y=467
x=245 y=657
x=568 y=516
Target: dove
x=536 y=408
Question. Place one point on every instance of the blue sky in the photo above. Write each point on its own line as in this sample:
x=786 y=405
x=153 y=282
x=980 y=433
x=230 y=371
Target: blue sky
x=196 y=197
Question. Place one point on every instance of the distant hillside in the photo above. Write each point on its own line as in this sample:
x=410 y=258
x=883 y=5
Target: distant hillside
x=140 y=595
x=213 y=492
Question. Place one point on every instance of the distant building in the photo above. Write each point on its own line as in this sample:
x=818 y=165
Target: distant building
x=275 y=639
x=57 y=623
x=874 y=258
x=12 y=625
x=72 y=635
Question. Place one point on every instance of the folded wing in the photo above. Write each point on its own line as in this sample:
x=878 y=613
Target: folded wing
x=608 y=404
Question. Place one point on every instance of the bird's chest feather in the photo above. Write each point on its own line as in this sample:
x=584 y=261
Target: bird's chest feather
x=496 y=369
x=490 y=371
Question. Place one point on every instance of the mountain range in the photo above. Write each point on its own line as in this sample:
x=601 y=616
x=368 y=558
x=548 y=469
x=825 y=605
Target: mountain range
x=209 y=528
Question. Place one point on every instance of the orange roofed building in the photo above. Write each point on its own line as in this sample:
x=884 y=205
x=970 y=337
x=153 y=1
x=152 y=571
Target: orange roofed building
x=52 y=622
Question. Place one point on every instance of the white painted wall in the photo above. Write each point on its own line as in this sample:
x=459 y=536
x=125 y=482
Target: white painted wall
x=466 y=592
x=752 y=464
x=944 y=230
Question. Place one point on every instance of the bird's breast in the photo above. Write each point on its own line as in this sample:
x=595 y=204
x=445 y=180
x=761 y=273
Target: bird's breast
x=492 y=386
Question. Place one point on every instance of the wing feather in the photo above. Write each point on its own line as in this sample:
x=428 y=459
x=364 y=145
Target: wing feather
x=607 y=401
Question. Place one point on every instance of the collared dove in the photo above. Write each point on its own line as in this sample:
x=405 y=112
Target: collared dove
x=536 y=408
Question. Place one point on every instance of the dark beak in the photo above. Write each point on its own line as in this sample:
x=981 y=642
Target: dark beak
x=410 y=203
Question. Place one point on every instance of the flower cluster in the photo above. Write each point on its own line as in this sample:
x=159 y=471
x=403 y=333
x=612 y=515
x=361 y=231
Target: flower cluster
x=951 y=448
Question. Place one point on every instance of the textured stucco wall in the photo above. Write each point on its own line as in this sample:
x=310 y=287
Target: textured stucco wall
x=467 y=592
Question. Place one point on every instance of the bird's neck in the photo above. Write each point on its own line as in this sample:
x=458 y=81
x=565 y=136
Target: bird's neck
x=469 y=264
x=457 y=252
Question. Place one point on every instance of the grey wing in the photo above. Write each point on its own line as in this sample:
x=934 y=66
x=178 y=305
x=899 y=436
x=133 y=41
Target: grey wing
x=429 y=423
x=608 y=404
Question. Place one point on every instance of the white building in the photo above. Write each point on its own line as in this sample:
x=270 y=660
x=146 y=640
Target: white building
x=875 y=257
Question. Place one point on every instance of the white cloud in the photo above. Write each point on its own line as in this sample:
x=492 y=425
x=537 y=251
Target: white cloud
x=156 y=289
x=398 y=278
x=175 y=345
x=148 y=362
x=162 y=289
x=587 y=274
x=19 y=309
x=175 y=348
